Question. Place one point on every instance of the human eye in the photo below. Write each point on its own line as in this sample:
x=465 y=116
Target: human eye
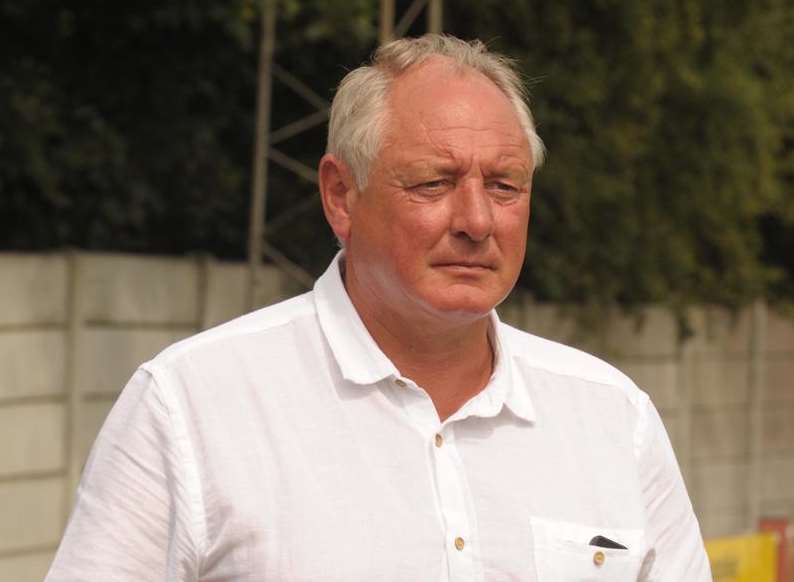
x=432 y=187
x=503 y=189
x=504 y=186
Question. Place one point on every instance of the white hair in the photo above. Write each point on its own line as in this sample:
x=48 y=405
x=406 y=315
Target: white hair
x=359 y=108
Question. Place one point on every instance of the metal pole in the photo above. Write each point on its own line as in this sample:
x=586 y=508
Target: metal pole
x=408 y=18
x=386 y=33
x=256 y=230
x=435 y=16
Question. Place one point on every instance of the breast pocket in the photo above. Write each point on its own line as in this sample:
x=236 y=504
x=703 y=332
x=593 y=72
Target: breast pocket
x=563 y=553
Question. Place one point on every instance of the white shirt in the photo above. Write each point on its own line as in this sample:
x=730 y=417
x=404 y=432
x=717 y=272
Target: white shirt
x=285 y=446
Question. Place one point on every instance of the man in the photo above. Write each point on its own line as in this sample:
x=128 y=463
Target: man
x=387 y=426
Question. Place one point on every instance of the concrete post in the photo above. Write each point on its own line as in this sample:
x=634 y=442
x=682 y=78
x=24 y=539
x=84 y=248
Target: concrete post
x=757 y=388
x=74 y=332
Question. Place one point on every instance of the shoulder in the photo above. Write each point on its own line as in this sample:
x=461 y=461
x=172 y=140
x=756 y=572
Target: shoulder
x=569 y=364
x=267 y=321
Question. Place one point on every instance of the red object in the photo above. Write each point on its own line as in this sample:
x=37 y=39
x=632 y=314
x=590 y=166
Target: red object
x=779 y=525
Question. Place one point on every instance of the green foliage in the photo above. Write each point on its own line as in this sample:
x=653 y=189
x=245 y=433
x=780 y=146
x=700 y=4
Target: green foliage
x=669 y=124
x=118 y=131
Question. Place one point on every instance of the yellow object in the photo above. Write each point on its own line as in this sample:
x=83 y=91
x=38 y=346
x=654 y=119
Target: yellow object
x=751 y=558
x=598 y=558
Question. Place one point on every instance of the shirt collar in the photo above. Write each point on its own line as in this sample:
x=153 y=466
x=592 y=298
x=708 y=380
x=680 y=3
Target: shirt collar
x=358 y=356
x=509 y=384
x=361 y=361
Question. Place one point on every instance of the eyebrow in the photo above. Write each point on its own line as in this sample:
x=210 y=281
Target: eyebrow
x=450 y=166
x=518 y=173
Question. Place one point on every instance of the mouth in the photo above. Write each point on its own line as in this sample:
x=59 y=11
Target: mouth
x=466 y=265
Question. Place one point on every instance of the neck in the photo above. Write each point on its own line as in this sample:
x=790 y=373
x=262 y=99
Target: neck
x=451 y=359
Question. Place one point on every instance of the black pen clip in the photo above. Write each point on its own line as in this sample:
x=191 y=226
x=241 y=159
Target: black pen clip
x=603 y=542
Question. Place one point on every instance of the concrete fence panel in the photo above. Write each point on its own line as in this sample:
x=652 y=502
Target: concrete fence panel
x=32 y=513
x=720 y=381
x=130 y=289
x=33 y=363
x=720 y=433
x=32 y=438
x=652 y=334
x=73 y=328
x=658 y=377
x=110 y=355
x=33 y=289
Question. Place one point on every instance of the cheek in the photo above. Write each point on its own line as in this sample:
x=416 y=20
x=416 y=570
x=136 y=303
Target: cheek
x=513 y=223
x=420 y=227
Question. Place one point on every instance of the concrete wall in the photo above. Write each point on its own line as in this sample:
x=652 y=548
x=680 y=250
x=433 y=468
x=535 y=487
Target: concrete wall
x=73 y=327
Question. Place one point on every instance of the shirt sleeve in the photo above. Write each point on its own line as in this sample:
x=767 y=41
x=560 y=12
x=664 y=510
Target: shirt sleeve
x=134 y=518
x=672 y=528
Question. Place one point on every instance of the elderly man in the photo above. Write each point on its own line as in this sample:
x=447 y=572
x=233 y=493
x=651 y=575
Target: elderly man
x=386 y=425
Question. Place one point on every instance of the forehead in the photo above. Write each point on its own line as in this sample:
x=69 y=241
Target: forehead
x=439 y=102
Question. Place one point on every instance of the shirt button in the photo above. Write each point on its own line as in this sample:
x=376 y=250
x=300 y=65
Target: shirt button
x=439 y=442
x=598 y=558
x=399 y=383
x=459 y=544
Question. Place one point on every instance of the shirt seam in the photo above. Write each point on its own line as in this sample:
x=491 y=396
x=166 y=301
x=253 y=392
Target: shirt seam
x=198 y=523
x=641 y=430
x=639 y=401
x=518 y=355
x=594 y=380
x=176 y=353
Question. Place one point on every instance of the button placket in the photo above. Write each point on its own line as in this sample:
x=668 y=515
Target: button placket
x=451 y=498
x=452 y=502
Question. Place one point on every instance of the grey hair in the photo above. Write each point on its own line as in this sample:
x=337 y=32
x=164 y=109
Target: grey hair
x=358 y=110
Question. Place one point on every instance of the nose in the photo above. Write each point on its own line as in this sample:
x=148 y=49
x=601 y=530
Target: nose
x=472 y=212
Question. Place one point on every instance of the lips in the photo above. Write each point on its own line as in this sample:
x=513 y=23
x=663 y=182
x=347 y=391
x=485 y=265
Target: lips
x=466 y=264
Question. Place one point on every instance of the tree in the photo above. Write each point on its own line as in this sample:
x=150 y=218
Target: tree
x=670 y=129
x=667 y=125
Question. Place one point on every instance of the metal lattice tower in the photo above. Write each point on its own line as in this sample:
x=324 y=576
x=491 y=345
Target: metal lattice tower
x=266 y=140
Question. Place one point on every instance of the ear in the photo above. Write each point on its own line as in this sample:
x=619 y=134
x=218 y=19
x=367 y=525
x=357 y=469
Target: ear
x=338 y=192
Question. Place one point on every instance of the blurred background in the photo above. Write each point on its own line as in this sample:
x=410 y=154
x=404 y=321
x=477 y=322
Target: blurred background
x=157 y=176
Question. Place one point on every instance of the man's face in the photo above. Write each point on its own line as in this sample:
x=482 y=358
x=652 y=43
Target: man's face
x=440 y=229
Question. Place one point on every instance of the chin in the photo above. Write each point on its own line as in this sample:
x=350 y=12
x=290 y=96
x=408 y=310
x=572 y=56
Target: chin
x=464 y=308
